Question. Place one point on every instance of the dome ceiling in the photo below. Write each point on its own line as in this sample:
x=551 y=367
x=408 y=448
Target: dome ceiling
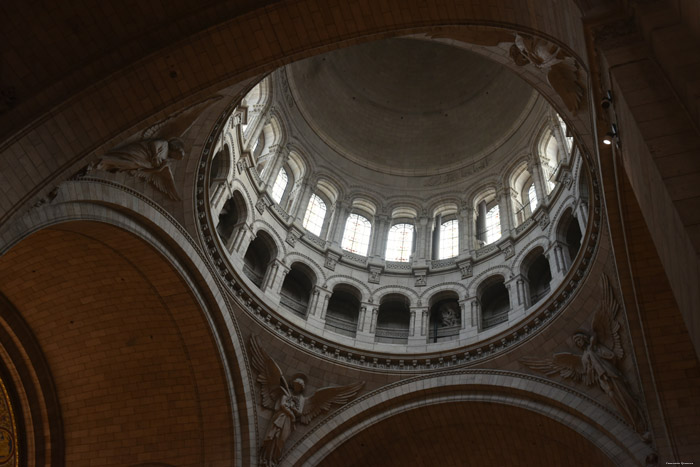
x=409 y=106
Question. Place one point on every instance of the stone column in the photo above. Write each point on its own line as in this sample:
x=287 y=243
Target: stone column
x=378 y=242
x=303 y=203
x=582 y=216
x=418 y=326
x=558 y=262
x=471 y=314
x=480 y=223
x=535 y=169
x=340 y=214
x=504 y=208
x=516 y=293
x=322 y=303
x=275 y=276
x=422 y=238
x=373 y=321
x=278 y=162
x=466 y=230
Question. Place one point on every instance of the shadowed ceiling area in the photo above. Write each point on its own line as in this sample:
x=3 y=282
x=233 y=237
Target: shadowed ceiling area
x=134 y=365
x=409 y=106
x=467 y=434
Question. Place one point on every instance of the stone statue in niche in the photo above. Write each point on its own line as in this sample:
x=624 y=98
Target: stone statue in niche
x=449 y=314
x=601 y=349
x=152 y=154
x=289 y=403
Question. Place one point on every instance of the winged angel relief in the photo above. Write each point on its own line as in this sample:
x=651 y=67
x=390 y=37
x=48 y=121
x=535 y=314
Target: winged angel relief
x=289 y=403
x=600 y=348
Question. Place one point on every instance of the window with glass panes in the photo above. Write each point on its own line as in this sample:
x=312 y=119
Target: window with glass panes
x=532 y=196
x=279 y=186
x=400 y=242
x=315 y=214
x=493 y=225
x=449 y=239
x=356 y=235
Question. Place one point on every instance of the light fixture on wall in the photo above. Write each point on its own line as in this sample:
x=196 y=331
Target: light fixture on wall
x=607 y=100
x=611 y=136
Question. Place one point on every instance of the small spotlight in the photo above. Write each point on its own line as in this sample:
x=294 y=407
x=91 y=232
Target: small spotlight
x=610 y=136
x=607 y=101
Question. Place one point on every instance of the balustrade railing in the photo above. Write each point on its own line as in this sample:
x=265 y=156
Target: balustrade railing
x=254 y=277
x=297 y=307
x=493 y=320
x=341 y=326
x=391 y=335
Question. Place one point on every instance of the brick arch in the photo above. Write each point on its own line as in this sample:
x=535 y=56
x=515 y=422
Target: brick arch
x=586 y=422
x=131 y=353
x=242 y=44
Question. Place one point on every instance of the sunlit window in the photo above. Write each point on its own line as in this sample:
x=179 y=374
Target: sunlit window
x=279 y=186
x=493 y=225
x=532 y=196
x=569 y=139
x=400 y=242
x=550 y=163
x=315 y=214
x=356 y=235
x=449 y=239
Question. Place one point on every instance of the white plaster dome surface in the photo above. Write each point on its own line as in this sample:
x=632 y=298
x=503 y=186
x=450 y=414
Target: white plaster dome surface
x=408 y=106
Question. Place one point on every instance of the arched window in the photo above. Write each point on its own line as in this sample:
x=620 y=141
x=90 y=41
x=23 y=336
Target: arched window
x=356 y=235
x=493 y=225
x=400 y=243
x=549 y=161
x=532 y=196
x=449 y=239
x=280 y=185
x=315 y=214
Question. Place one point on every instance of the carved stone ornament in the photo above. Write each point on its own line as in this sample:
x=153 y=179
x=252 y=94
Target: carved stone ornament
x=331 y=261
x=601 y=349
x=292 y=237
x=8 y=431
x=421 y=280
x=261 y=205
x=508 y=250
x=466 y=269
x=374 y=274
x=288 y=402
x=543 y=220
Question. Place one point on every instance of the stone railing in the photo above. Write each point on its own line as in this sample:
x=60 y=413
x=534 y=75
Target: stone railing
x=391 y=335
x=297 y=307
x=493 y=320
x=341 y=326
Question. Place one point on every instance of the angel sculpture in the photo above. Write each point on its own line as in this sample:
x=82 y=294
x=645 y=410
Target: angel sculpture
x=149 y=159
x=601 y=348
x=152 y=155
x=289 y=403
x=562 y=70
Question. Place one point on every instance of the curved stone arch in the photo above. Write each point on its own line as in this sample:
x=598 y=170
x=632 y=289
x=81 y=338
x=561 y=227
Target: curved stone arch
x=571 y=408
x=338 y=279
x=540 y=241
x=239 y=186
x=260 y=224
x=296 y=257
x=568 y=202
x=380 y=292
x=124 y=208
x=538 y=137
x=394 y=203
x=435 y=202
x=500 y=270
x=355 y=193
x=430 y=292
x=484 y=189
x=515 y=167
